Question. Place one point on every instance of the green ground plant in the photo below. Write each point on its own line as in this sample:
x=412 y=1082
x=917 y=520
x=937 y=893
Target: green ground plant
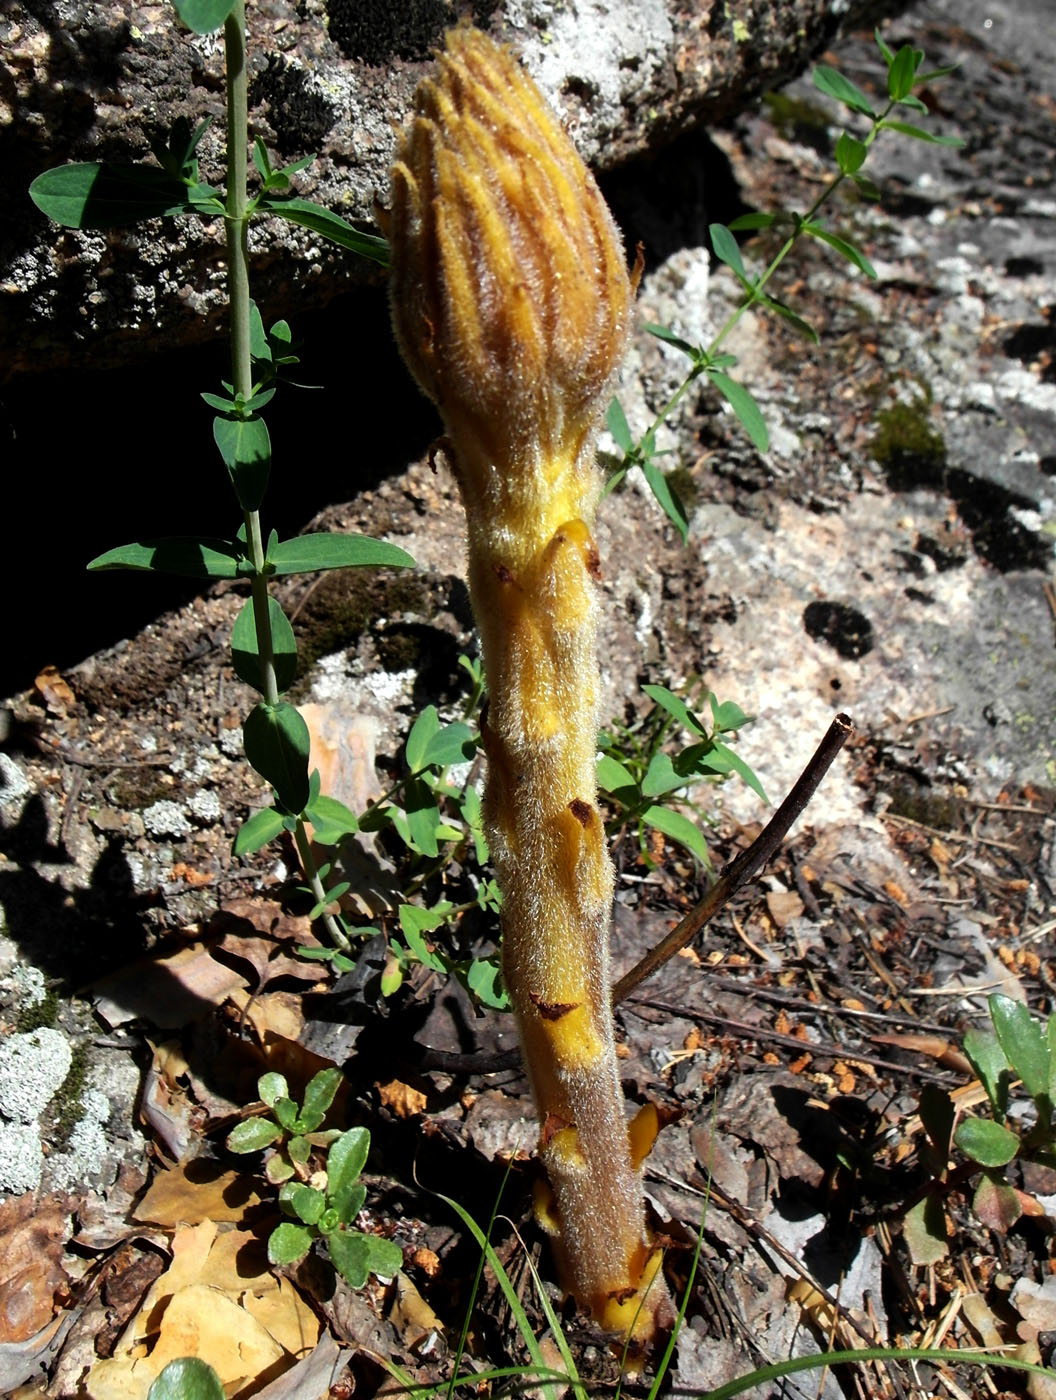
x=904 y=81
x=317 y=1173
x=1016 y=1050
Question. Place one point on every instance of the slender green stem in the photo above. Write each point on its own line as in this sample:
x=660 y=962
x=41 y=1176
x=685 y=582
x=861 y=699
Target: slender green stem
x=311 y=871
x=747 y=301
x=750 y=298
x=235 y=220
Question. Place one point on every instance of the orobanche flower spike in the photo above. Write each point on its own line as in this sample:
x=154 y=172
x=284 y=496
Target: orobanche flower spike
x=511 y=302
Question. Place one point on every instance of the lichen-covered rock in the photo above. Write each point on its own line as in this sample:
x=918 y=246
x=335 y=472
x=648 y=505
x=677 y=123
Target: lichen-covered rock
x=33 y=1065
x=332 y=76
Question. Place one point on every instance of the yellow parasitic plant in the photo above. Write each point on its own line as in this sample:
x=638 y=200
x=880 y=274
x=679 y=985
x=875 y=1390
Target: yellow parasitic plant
x=511 y=303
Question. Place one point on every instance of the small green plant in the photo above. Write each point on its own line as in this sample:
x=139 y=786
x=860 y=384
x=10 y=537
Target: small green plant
x=904 y=79
x=641 y=778
x=264 y=653
x=1016 y=1048
x=323 y=1200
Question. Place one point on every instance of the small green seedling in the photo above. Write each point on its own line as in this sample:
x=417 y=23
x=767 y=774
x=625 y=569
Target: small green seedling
x=323 y=1202
x=903 y=76
x=642 y=780
x=1016 y=1048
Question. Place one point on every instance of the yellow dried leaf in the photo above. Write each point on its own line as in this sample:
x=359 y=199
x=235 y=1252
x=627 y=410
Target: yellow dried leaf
x=195 y=1192
x=204 y=1322
x=404 y=1099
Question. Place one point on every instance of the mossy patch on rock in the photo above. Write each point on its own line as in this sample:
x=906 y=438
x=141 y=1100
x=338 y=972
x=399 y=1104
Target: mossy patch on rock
x=908 y=446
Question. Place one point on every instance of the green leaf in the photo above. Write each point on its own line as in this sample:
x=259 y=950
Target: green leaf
x=261 y=158
x=744 y=406
x=299 y=1148
x=613 y=777
x=661 y=776
x=616 y=422
x=318 y=1096
x=245 y=654
x=98 y=196
x=667 y=497
x=903 y=71
x=257 y=831
x=289 y=1243
x=745 y=222
x=850 y=153
x=888 y=55
x=188 y=1378
x=934 y=73
x=726 y=249
x=842 y=246
x=986 y=1142
x=277 y=1169
x=728 y=716
x=345 y=1162
x=484 y=980
x=391 y=978
x=793 y=318
x=276 y=741
x=676 y=707
x=669 y=337
x=679 y=828
x=190 y=555
x=203 y=16
x=833 y=84
x=1025 y=1043
x=423 y=820
x=425 y=727
x=915 y=105
x=431 y=745
x=328 y=225
x=415 y=923
x=384 y=1257
x=285 y=1110
x=307 y=553
x=722 y=759
x=271 y=1087
x=868 y=187
x=331 y=820
x=351 y=1205
x=350 y=1256
x=253 y=1135
x=919 y=134
x=925 y=1230
x=304 y=1202
x=988 y=1060
x=245 y=446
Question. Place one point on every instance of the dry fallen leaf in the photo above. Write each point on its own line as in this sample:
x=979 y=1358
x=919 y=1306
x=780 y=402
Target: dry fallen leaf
x=784 y=906
x=413 y=1318
x=194 y=1192
x=32 y=1241
x=219 y=1301
x=169 y=992
x=404 y=1099
x=54 y=691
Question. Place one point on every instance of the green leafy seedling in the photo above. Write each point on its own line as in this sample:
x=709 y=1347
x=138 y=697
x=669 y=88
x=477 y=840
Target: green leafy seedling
x=852 y=152
x=643 y=780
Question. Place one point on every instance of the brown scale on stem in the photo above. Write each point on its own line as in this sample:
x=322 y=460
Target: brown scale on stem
x=511 y=303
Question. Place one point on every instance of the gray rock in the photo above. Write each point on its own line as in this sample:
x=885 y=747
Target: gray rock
x=336 y=77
